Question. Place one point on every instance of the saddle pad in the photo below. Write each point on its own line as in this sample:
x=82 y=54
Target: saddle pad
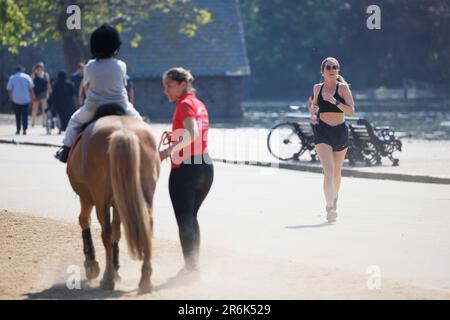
x=77 y=140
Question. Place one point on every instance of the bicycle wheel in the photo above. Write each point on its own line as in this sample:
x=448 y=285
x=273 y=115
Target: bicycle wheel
x=283 y=141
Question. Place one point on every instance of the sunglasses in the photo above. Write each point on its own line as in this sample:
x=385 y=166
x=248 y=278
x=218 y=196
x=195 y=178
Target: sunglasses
x=334 y=67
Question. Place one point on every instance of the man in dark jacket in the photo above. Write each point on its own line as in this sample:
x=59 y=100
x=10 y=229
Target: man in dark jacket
x=62 y=99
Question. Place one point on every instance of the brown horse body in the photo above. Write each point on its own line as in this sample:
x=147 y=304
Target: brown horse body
x=116 y=165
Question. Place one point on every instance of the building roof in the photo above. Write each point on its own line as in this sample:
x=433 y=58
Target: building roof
x=217 y=49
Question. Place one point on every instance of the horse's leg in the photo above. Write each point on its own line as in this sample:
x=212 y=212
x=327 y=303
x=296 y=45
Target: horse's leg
x=145 y=285
x=90 y=264
x=104 y=217
x=116 y=239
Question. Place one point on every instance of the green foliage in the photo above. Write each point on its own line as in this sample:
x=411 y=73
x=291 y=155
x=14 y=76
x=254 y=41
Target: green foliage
x=287 y=40
x=25 y=22
x=13 y=25
x=198 y=18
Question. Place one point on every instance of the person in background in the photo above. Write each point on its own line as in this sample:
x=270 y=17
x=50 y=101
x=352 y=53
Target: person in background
x=20 y=91
x=130 y=90
x=77 y=79
x=62 y=100
x=42 y=89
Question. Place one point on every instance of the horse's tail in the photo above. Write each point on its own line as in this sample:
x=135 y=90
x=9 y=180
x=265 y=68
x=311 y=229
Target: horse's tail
x=125 y=162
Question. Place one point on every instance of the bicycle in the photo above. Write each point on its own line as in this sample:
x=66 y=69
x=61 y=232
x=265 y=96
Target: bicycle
x=290 y=139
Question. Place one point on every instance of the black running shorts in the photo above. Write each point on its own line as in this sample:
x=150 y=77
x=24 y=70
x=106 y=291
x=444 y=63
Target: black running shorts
x=334 y=136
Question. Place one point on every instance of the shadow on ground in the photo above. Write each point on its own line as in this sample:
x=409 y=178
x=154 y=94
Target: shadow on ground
x=310 y=226
x=86 y=291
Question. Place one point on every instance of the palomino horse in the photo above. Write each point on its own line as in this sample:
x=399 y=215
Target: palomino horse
x=116 y=164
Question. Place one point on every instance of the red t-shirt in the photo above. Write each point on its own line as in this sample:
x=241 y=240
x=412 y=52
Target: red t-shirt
x=188 y=106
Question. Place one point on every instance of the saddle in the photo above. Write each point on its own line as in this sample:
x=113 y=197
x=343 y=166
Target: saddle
x=109 y=109
x=104 y=110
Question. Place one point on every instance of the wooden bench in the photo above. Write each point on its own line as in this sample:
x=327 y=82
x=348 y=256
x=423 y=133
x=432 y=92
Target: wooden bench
x=367 y=143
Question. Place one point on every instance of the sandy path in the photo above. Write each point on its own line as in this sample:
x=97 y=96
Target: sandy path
x=35 y=255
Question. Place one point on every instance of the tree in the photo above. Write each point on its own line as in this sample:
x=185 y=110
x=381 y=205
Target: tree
x=412 y=43
x=24 y=23
x=287 y=40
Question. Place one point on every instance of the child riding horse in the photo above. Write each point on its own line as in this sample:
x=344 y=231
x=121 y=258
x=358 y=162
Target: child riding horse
x=116 y=165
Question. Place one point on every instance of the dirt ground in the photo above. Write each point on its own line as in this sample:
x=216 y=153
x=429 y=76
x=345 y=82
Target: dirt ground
x=39 y=255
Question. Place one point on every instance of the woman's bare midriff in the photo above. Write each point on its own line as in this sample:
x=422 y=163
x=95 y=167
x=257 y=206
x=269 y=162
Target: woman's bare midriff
x=332 y=118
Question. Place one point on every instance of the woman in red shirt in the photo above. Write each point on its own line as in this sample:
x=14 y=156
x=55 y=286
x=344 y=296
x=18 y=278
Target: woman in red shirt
x=192 y=171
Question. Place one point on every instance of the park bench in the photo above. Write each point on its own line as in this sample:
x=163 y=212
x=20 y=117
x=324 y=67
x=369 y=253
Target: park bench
x=367 y=143
x=307 y=137
x=370 y=143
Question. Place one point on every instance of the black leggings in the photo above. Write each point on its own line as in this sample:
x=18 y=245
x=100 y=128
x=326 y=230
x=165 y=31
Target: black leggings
x=188 y=187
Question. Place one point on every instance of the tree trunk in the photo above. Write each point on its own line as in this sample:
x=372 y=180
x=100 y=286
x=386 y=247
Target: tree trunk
x=74 y=49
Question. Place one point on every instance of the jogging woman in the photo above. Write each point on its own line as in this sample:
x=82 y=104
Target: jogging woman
x=332 y=100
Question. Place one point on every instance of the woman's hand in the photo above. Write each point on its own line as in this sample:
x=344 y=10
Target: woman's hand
x=314 y=119
x=164 y=154
x=314 y=109
x=328 y=97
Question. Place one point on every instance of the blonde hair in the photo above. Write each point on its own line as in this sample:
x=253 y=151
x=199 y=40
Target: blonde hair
x=180 y=75
x=38 y=65
x=340 y=78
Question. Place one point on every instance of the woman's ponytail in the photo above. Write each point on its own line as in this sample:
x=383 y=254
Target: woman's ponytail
x=341 y=79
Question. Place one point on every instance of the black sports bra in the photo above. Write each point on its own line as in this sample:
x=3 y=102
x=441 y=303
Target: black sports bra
x=325 y=106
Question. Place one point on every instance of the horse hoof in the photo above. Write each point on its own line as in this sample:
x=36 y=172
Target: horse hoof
x=145 y=287
x=92 y=269
x=107 y=284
